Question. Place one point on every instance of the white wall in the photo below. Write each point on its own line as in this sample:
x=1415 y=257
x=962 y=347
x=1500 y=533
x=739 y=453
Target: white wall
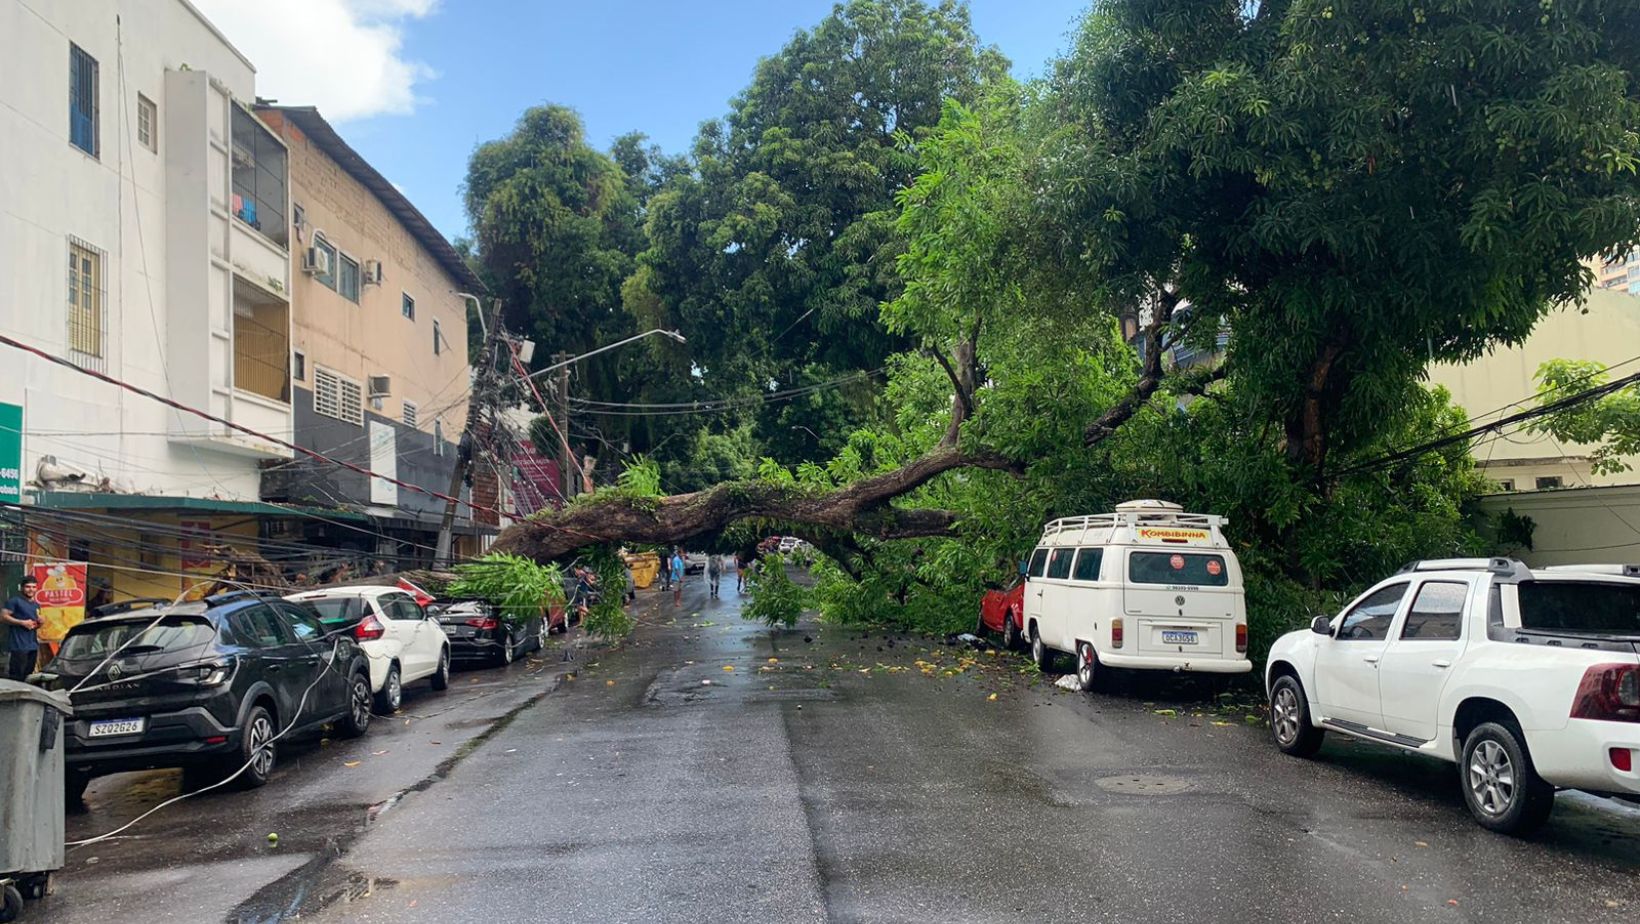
x=116 y=202
x=1579 y=526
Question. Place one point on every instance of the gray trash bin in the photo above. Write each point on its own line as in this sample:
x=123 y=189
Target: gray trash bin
x=31 y=788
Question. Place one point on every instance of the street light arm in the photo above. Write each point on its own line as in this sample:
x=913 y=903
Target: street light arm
x=575 y=359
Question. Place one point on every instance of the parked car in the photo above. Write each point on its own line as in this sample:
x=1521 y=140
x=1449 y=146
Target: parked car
x=477 y=632
x=208 y=686
x=1528 y=680
x=1002 y=610
x=1148 y=587
x=403 y=643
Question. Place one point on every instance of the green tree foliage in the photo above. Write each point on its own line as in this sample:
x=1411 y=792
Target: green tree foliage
x=1610 y=422
x=518 y=587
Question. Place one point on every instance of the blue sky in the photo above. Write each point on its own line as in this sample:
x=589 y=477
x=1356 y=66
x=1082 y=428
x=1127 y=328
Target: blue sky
x=414 y=85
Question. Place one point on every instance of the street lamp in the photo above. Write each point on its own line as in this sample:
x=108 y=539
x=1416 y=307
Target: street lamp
x=574 y=359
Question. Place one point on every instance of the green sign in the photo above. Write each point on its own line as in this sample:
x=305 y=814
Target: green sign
x=11 y=453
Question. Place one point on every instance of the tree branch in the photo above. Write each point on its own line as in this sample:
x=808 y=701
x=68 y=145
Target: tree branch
x=1150 y=377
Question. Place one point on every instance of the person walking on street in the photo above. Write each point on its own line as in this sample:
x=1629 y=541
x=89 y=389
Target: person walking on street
x=21 y=620
x=677 y=576
x=631 y=582
x=666 y=571
x=714 y=572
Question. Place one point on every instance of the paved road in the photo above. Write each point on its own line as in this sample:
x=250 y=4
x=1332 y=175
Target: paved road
x=864 y=778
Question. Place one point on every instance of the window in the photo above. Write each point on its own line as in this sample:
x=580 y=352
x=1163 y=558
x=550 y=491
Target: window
x=147 y=123
x=299 y=365
x=409 y=306
x=328 y=277
x=437 y=337
x=1087 y=564
x=257 y=626
x=1039 y=562
x=1584 y=606
x=347 y=277
x=334 y=396
x=83 y=131
x=260 y=178
x=86 y=318
x=1550 y=482
x=410 y=413
x=399 y=606
x=1437 y=612
x=1506 y=484
x=1370 y=618
x=1193 y=569
x=1059 y=566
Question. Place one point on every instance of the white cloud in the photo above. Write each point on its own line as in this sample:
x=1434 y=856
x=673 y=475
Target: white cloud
x=344 y=56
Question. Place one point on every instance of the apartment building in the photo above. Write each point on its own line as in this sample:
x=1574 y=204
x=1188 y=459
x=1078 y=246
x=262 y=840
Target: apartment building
x=1619 y=271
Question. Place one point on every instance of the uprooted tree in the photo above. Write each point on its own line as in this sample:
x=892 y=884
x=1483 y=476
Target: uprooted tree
x=1324 y=199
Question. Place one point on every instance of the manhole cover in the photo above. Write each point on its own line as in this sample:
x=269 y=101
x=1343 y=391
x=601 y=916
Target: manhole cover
x=1140 y=784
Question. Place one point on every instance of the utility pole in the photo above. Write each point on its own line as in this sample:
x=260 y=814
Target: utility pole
x=477 y=403
x=567 y=469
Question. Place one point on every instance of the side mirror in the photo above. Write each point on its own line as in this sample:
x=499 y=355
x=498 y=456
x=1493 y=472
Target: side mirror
x=1321 y=625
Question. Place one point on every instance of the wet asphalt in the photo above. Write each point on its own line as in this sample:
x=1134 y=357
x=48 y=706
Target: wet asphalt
x=714 y=770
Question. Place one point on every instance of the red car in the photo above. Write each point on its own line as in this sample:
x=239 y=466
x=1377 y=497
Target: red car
x=1002 y=610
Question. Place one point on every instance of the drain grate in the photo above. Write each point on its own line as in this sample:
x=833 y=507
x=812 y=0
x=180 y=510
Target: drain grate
x=1142 y=784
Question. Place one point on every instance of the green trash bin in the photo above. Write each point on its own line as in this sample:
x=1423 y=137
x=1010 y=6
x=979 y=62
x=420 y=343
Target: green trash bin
x=31 y=791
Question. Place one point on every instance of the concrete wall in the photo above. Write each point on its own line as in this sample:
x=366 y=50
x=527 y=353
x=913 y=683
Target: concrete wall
x=1577 y=527
x=1606 y=329
x=116 y=203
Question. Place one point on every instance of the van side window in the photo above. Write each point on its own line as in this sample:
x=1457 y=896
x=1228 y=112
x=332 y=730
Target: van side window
x=1039 y=561
x=1059 y=567
x=1087 y=564
x=1370 y=618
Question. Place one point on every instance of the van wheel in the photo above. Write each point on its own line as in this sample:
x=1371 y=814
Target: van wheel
x=1040 y=652
x=1088 y=670
x=1010 y=635
x=1500 y=785
x=1290 y=724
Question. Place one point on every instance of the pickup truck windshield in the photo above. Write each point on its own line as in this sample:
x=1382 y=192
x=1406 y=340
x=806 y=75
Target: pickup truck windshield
x=1582 y=607
x=172 y=634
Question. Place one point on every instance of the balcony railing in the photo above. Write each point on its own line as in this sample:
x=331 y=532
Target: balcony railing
x=261 y=352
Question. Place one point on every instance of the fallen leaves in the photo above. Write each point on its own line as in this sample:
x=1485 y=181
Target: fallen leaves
x=351 y=763
x=728 y=667
x=992 y=698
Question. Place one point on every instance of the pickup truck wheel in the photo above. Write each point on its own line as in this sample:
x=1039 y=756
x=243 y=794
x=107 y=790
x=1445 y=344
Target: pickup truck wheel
x=1040 y=652
x=1290 y=723
x=391 y=693
x=1010 y=635
x=1500 y=785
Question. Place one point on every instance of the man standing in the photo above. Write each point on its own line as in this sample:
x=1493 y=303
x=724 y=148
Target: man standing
x=21 y=620
x=714 y=571
x=677 y=577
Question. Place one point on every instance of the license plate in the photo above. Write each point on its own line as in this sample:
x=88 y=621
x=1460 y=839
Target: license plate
x=458 y=631
x=1178 y=637
x=108 y=728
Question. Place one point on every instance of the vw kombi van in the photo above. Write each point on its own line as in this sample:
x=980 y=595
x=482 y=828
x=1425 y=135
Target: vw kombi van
x=1147 y=586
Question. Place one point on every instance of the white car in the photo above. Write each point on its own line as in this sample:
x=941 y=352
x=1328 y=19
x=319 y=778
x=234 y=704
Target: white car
x=403 y=643
x=1528 y=680
x=1147 y=587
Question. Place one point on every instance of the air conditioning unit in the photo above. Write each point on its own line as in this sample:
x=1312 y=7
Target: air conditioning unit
x=316 y=262
x=373 y=272
x=381 y=386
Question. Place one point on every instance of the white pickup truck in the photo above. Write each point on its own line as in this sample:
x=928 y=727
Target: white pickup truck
x=1529 y=680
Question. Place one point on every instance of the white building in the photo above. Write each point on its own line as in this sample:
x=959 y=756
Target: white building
x=143 y=234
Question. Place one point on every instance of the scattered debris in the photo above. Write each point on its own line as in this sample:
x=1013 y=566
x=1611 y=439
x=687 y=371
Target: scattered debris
x=1069 y=682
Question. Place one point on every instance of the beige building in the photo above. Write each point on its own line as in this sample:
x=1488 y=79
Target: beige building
x=1605 y=329
x=379 y=346
x=1619 y=271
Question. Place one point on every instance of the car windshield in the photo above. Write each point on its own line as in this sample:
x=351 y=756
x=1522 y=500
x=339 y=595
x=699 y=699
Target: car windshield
x=338 y=609
x=1580 y=607
x=173 y=633
x=1178 y=568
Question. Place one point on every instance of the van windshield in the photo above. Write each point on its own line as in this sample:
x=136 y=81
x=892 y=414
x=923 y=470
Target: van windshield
x=1595 y=608
x=1194 y=568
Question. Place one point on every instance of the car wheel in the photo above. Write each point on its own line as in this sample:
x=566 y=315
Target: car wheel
x=542 y=634
x=1290 y=723
x=357 y=720
x=1500 y=785
x=391 y=694
x=1010 y=635
x=257 y=750
x=11 y=903
x=505 y=656
x=441 y=677
x=1040 y=652
x=1088 y=670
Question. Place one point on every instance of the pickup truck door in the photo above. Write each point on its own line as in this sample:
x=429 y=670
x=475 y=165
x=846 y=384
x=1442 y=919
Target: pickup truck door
x=1416 y=664
x=1346 y=663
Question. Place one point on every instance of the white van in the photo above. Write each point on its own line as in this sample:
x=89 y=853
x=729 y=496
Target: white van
x=1148 y=586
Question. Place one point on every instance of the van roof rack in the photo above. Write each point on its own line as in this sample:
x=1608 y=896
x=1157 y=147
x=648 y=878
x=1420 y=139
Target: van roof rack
x=1133 y=514
x=1504 y=567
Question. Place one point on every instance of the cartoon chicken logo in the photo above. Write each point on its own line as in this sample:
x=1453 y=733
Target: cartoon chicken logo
x=59 y=588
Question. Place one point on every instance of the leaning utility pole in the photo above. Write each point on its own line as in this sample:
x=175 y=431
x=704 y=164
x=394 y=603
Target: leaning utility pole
x=567 y=469
x=477 y=403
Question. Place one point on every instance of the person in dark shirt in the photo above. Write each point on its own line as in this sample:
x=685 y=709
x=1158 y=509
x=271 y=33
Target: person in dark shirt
x=21 y=619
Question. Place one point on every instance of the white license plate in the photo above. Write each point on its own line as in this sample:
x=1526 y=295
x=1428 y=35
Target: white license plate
x=1178 y=637
x=109 y=727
